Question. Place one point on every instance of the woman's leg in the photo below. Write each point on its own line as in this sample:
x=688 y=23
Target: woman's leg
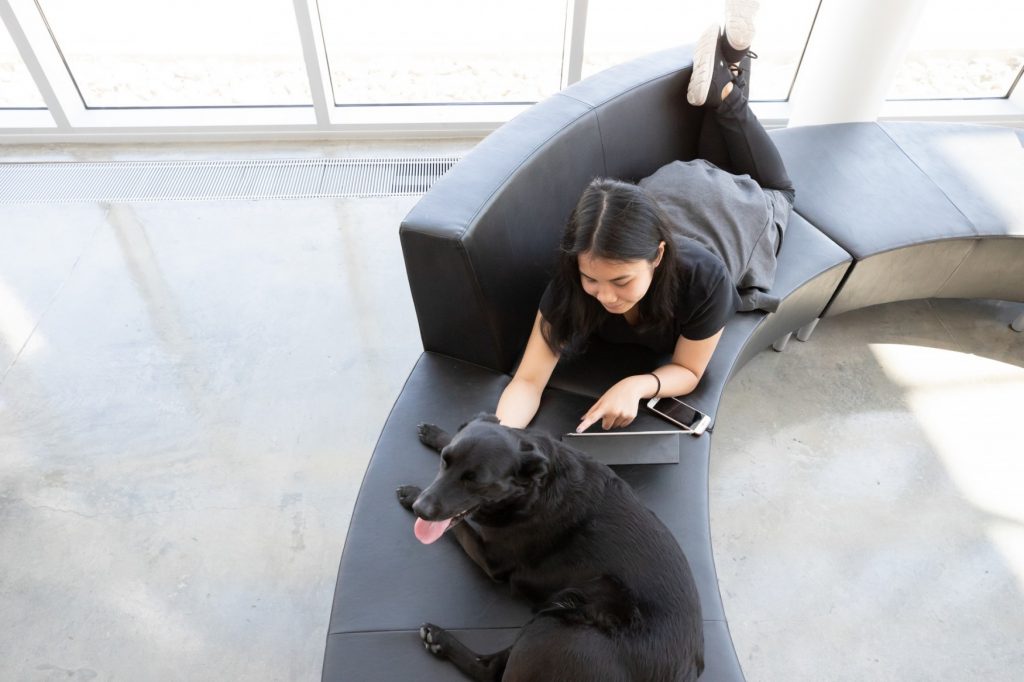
x=710 y=143
x=748 y=145
x=716 y=83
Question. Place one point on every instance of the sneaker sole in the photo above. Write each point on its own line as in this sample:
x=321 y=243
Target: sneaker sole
x=703 y=67
x=739 y=22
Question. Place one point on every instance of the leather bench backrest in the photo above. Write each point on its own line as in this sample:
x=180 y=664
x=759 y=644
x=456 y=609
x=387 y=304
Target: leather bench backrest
x=480 y=247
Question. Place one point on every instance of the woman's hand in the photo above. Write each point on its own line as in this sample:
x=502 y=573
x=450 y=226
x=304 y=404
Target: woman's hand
x=618 y=406
x=520 y=399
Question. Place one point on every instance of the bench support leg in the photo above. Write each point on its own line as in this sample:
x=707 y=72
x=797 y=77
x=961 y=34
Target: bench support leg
x=1018 y=324
x=780 y=345
x=805 y=331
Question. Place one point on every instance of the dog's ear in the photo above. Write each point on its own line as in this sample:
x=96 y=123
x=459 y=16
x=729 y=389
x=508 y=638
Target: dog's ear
x=484 y=417
x=533 y=465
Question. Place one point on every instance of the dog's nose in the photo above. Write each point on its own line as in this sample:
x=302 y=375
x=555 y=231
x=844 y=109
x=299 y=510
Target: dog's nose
x=425 y=508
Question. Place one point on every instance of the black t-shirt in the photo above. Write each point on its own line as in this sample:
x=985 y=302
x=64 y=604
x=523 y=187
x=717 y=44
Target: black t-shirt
x=706 y=300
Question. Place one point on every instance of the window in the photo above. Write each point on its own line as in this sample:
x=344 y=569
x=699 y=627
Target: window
x=420 y=65
x=963 y=50
x=177 y=53
x=616 y=33
x=443 y=51
x=17 y=89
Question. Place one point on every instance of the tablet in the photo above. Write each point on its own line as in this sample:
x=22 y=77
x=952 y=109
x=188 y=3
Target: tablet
x=628 y=447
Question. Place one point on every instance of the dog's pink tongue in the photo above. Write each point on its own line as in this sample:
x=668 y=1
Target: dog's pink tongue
x=429 y=531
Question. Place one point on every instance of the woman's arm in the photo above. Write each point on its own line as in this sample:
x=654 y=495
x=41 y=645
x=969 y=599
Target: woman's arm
x=689 y=360
x=619 y=404
x=521 y=398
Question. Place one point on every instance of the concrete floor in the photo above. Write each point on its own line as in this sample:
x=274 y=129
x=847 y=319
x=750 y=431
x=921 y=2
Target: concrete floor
x=866 y=505
x=189 y=393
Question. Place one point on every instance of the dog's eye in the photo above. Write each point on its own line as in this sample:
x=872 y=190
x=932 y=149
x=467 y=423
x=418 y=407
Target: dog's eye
x=469 y=476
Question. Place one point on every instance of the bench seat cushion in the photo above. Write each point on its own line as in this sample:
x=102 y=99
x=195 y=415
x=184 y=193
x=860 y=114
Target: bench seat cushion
x=388 y=583
x=855 y=184
x=398 y=656
x=927 y=210
x=979 y=168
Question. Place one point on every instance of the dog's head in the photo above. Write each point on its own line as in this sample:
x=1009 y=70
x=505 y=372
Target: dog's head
x=486 y=465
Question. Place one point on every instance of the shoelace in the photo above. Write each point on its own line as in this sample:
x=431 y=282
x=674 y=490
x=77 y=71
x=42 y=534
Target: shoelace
x=737 y=71
x=736 y=67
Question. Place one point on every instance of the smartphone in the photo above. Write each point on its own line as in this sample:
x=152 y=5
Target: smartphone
x=679 y=413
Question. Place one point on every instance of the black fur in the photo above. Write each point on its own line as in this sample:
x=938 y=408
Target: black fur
x=613 y=595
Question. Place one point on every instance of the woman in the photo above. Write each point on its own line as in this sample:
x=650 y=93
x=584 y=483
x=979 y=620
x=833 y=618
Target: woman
x=625 y=274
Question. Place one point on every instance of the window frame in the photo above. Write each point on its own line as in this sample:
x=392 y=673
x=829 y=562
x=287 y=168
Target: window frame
x=68 y=119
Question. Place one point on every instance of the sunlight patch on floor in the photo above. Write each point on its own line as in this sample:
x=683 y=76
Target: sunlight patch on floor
x=971 y=409
x=16 y=324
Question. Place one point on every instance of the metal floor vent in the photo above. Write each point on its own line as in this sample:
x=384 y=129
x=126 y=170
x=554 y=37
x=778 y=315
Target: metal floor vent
x=69 y=182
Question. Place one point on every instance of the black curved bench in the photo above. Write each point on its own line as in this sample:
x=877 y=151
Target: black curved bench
x=872 y=200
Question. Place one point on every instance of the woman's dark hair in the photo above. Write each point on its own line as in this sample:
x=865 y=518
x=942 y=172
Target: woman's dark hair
x=617 y=221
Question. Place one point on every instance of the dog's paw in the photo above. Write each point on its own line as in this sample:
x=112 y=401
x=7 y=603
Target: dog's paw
x=434 y=639
x=433 y=436
x=407 y=494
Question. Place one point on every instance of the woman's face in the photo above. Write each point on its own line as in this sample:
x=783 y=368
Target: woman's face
x=617 y=285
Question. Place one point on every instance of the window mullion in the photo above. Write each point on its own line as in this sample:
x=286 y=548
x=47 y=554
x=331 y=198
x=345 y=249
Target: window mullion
x=307 y=15
x=31 y=36
x=1016 y=92
x=575 y=38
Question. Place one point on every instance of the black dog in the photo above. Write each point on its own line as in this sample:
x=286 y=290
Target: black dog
x=613 y=594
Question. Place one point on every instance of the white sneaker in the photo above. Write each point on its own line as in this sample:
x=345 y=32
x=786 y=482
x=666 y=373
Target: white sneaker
x=739 y=24
x=704 y=62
